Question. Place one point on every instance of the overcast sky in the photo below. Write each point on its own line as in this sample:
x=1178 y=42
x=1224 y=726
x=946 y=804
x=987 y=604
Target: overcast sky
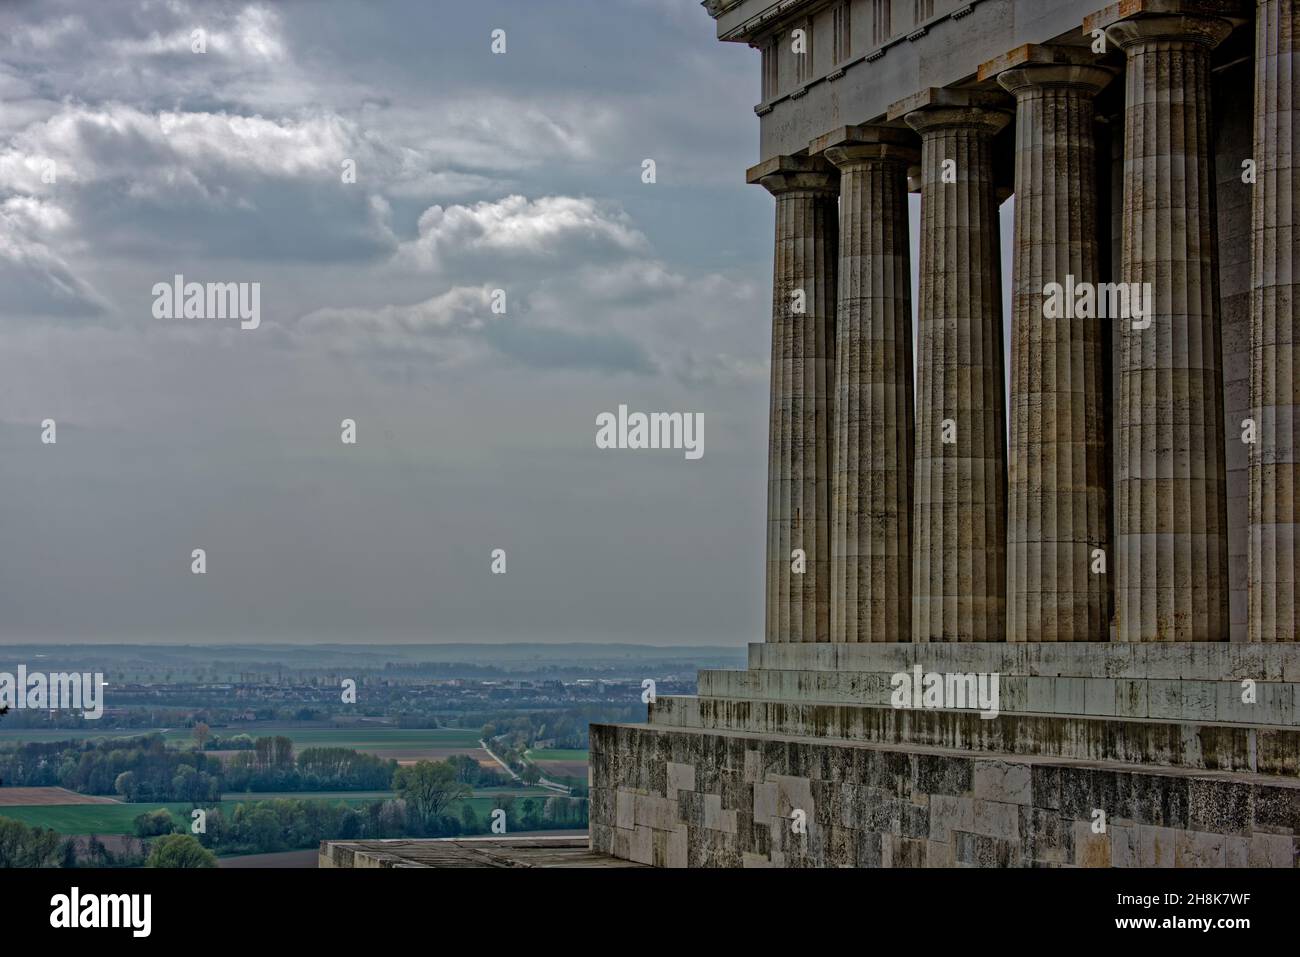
x=474 y=171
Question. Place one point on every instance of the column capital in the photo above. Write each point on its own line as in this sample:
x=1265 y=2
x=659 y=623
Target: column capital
x=784 y=174
x=935 y=109
x=1235 y=11
x=1033 y=66
x=851 y=146
x=1086 y=79
x=1191 y=31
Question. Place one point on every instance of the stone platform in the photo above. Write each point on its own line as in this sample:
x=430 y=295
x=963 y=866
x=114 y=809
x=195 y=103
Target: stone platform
x=563 y=851
x=1154 y=740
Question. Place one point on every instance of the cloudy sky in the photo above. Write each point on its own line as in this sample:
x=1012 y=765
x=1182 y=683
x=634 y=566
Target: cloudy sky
x=127 y=158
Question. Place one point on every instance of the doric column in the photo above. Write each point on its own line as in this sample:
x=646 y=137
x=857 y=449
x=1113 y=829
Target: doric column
x=871 y=498
x=1059 y=483
x=1171 y=491
x=1273 y=604
x=959 y=588
x=803 y=373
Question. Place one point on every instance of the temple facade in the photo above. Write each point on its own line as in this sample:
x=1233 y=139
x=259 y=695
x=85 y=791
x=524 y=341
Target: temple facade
x=1031 y=599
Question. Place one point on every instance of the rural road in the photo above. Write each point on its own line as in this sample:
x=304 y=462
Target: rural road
x=509 y=770
x=542 y=782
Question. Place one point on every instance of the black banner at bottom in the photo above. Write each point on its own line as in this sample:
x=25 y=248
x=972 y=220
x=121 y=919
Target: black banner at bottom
x=607 y=906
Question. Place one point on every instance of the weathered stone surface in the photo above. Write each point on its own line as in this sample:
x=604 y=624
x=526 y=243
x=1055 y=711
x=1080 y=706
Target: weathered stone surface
x=1171 y=534
x=803 y=372
x=871 y=529
x=530 y=851
x=959 y=585
x=1166 y=744
x=1007 y=811
x=1059 y=485
x=1273 y=703
x=1170 y=660
x=1274 y=577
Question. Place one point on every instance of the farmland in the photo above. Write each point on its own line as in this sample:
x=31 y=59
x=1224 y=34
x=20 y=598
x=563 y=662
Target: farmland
x=105 y=816
x=404 y=745
x=45 y=796
x=565 y=765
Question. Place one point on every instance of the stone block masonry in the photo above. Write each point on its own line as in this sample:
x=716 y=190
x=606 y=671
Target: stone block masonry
x=868 y=806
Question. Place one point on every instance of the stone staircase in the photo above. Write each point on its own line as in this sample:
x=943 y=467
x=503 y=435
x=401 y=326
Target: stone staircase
x=1184 y=754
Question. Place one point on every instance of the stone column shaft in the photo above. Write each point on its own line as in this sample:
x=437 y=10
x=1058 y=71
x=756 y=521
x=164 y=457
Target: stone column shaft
x=959 y=551
x=871 y=499
x=1059 y=485
x=1171 y=533
x=803 y=372
x=1273 y=603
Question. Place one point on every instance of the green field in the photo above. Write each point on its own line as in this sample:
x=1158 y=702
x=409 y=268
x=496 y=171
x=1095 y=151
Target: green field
x=378 y=738
x=110 y=818
x=120 y=818
x=370 y=739
x=352 y=796
x=42 y=735
x=558 y=754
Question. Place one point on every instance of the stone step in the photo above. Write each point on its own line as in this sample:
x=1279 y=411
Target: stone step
x=1199 y=661
x=1170 y=699
x=1171 y=744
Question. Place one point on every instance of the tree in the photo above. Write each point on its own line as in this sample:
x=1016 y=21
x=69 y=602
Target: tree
x=180 y=850
x=23 y=846
x=429 y=787
x=531 y=773
x=262 y=748
x=283 y=747
x=124 y=784
x=531 y=815
x=262 y=828
x=68 y=852
x=154 y=823
x=201 y=734
x=467 y=769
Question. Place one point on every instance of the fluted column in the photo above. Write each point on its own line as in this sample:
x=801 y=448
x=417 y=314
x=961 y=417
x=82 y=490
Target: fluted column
x=803 y=371
x=1171 y=487
x=1273 y=604
x=959 y=550
x=1059 y=481
x=871 y=498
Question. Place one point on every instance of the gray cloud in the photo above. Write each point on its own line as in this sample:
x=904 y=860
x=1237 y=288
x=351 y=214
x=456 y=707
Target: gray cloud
x=474 y=172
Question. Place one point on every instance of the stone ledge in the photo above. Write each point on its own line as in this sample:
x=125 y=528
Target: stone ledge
x=1165 y=699
x=1207 y=661
x=1130 y=741
x=564 y=851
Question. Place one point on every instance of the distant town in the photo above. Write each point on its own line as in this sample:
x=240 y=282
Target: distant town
x=250 y=755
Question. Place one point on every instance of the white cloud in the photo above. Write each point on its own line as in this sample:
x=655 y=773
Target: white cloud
x=36 y=280
x=552 y=228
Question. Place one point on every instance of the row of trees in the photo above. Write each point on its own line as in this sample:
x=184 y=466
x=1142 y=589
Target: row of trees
x=143 y=769
x=23 y=846
x=427 y=792
x=140 y=769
